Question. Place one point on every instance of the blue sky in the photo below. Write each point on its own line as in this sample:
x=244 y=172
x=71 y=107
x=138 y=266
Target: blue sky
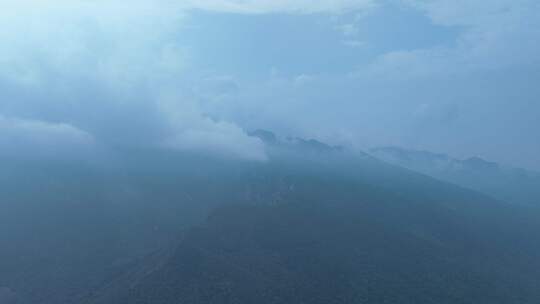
x=453 y=76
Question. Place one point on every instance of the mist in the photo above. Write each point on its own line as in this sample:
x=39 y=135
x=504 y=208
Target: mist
x=221 y=151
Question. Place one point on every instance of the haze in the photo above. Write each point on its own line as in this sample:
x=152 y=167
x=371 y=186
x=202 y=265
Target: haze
x=269 y=151
x=458 y=77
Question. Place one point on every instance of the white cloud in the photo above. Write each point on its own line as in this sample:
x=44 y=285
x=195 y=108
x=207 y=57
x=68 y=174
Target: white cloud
x=495 y=34
x=219 y=137
x=303 y=79
x=287 y=6
x=348 y=29
x=248 y=6
x=112 y=41
x=190 y=130
x=34 y=138
x=16 y=129
x=127 y=54
x=355 y=43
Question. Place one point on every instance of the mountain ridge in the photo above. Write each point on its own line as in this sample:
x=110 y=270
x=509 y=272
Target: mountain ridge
x=513 y=185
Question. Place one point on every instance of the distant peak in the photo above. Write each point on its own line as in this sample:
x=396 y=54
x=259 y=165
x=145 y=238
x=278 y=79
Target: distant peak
x=409 y=157
x=264 y=135
x=479 y=163
x=314 y=145
x=270 y=138
x=408 y=153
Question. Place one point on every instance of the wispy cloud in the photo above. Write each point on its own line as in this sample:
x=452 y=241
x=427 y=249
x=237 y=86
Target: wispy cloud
x=495 y=34
x=191 y=75
x=72 y=57
x=34 y=138
x=281 y=6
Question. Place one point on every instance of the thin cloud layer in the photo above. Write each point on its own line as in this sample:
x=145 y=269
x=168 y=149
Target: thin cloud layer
x=107 y=66
x=281 y=6
x=38 y=139
x=496 y=34
x=193 y=75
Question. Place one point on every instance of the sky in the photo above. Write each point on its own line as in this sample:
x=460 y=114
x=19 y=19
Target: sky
x=454 y=76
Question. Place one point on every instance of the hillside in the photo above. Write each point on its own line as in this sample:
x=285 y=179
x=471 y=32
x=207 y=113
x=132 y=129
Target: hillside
x=341 y=229
x=513 y=185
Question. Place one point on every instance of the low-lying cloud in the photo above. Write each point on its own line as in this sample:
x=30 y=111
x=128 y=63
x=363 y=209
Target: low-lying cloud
x=193 y=75
x=109 y=67
x=40 y=139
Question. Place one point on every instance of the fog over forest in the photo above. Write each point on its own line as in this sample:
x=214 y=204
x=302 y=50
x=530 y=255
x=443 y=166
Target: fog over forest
x=269 y=151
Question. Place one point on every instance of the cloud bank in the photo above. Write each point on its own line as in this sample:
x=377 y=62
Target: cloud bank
x=39 y=139
x=280 y=6
x=193 y=75
x=496 y=34
x=108 y=67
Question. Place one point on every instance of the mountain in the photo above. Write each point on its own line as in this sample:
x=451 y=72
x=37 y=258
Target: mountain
x=306 y=254
x=338 y=228
x=512 y=185
x=296 y=143
x=306 y=226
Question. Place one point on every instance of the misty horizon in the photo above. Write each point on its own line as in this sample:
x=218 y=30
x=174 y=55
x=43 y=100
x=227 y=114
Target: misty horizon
x=436 y=76
x=269 y=151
